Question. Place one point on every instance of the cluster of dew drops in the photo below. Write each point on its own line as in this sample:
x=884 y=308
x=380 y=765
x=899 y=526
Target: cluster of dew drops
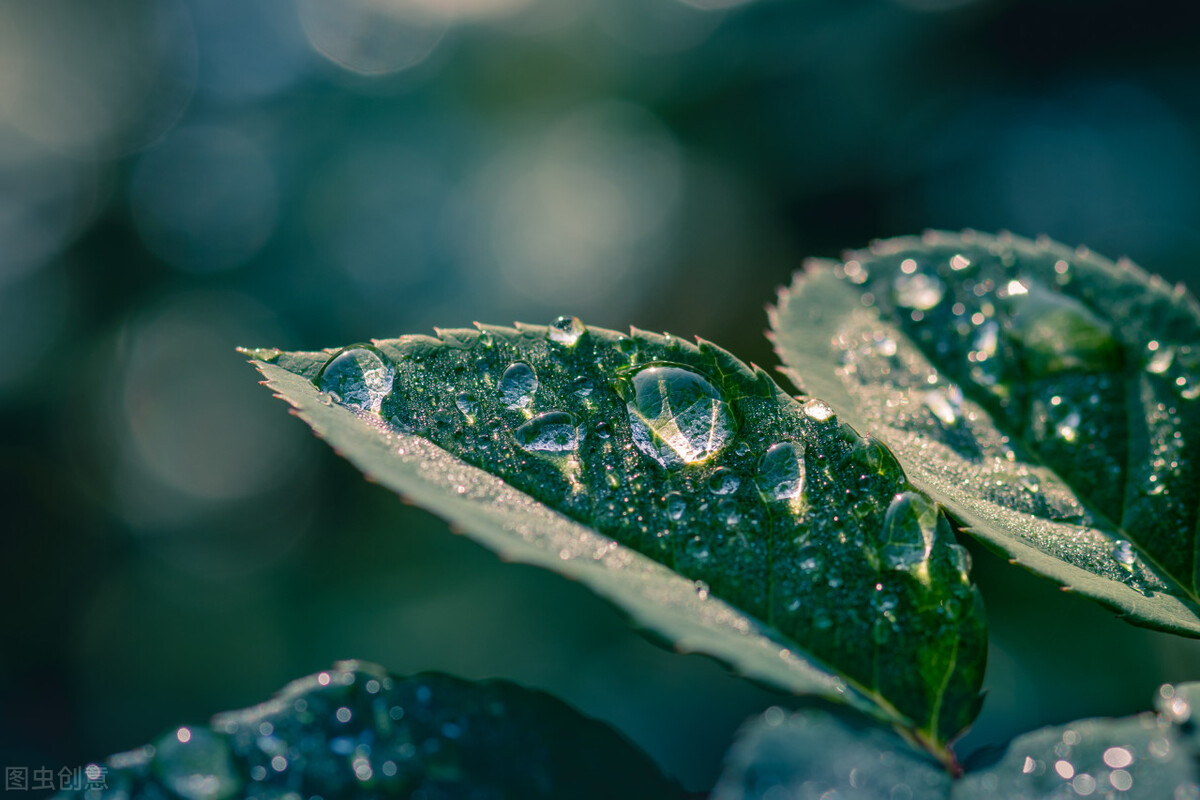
x=918 y=290
x=677 y=416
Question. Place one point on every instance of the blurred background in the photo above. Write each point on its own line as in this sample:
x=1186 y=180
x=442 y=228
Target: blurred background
x=178 y=177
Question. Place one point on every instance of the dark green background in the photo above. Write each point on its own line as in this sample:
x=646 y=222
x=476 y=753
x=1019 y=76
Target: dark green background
x=177 y=178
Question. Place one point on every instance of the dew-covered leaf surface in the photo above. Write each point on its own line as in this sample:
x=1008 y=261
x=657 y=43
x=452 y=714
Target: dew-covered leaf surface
x=816 y=755
x=1146 y=756
x=725 y=516
x=356 y=732
x=1048 y=397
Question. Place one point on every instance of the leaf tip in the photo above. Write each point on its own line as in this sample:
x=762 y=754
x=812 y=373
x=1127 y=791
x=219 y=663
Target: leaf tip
x=265 y=354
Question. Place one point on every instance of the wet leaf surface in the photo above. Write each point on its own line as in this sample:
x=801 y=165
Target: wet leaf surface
x=1048 y=397
x=816 y=755
x=356 y=732
x=726 y=516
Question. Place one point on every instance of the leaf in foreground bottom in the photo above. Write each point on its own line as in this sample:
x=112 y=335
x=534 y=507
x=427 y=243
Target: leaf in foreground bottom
x=356 y=732
x=1048 y=397
x=815 y=755
x=727 y=517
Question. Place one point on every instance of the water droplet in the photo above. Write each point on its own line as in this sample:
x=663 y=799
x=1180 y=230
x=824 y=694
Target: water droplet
x=1160 y=359
x=675 y=505
x=1030 y=482
x=566 y=330
x=909 y=529
x=959 y=262
x=723 y=481
x=581 y=387
x=677 y=417
x=919 y=291
x=697 y=548
x=359 y=377
x=549 y=432
x=517 y=386
x=195 y=764
x=945 y=405
x=1068 y=429
x=818 y=410
x=1123 y=552
x=781 y=471
x=468 y=406
x=603 y=430
x=729 y=511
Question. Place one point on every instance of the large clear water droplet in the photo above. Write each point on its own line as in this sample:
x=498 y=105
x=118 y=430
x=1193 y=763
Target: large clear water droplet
x=676 y=416
x=781 y=471
x=359 y=376
x=566 y=331
x=517 y=386
x=195 y=764
x=909 y=529
x=919 y=291
x=550 y=432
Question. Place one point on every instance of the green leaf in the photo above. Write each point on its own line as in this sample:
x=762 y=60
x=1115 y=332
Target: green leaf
x=686 y=487
x=1148 y=755
x=1046 y=396
x=810 y=753
x=356 y=732
x=814 y=754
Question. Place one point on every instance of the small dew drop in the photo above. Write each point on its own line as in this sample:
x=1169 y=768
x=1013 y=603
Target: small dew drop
x=818 y=410
x=919 y=291
x=1160 y=359
x=1068 y=429
x=468 y=406
x=723 y=482
x=566 y=331
x=517 y=386
x=781 y=471
x=549 y=432
x=676 y=505
x=909 y=529
x=945 y=405
x=1122 y=551
x=581 y=387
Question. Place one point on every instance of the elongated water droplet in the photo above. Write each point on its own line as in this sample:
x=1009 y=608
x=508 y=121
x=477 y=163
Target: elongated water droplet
x=723 y=481
x=919 y=291
x=581 y=387
x=909 y=528
x=195 y=764
x=468 y=406
x=818 y=410
x=676 y=506
x=676 y=416
x=729 y=511
x=566 y=331
x=1160 y=359
x=945 y=405
x=549 y=432
x=781 y=471
x=517 y=386
x=1123 y=552
x=359 y=376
